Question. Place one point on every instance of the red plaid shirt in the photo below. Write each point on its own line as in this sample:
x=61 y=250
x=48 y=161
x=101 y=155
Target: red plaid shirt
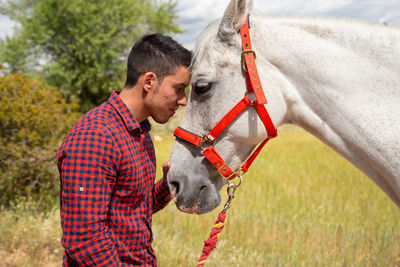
x=107 y=170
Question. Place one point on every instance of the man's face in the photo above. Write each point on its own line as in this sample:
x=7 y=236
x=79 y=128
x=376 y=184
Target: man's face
x=169 y=95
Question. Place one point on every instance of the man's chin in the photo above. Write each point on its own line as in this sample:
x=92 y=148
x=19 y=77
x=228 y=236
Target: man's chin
x=161 y=120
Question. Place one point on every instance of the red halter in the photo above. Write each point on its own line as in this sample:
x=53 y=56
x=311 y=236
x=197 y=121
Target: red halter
x=206 y=143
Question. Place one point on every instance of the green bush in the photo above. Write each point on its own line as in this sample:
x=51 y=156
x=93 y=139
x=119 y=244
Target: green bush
x=34 y=118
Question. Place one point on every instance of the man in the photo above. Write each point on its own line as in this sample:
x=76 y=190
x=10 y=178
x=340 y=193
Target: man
x=107 y=163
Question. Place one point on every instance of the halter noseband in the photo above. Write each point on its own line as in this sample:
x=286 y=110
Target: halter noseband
x=206 y=142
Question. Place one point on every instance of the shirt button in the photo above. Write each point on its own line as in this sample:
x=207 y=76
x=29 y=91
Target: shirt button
x=81 y=189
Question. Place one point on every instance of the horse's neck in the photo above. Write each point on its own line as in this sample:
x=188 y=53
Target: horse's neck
x=379 y=42
x=343 y=84
x=333 y=53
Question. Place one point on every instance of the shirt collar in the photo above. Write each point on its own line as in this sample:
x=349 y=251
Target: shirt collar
x=130 y=122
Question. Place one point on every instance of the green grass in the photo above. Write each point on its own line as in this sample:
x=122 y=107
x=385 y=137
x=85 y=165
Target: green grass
x=299 y=205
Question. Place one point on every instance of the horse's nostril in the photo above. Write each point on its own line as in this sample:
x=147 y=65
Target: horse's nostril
x=202 y=188
x=174 y=186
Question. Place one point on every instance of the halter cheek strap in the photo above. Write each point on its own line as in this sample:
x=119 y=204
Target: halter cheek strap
x=206 y=142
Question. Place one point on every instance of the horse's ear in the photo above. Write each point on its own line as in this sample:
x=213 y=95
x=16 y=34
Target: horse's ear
x=234 y=17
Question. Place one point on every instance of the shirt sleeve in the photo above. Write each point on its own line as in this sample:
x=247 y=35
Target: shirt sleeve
x=161 y=195
x=87 y=166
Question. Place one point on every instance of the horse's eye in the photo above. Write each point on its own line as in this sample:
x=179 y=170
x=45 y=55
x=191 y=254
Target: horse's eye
x=202 y=88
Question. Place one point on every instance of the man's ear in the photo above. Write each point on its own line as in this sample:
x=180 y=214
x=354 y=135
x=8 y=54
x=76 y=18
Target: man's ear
x=149 y=81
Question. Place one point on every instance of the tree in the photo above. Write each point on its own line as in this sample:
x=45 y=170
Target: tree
x=34 y=118
x=81 y=46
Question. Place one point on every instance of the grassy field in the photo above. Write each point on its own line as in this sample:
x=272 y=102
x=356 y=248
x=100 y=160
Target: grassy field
x=299 y=205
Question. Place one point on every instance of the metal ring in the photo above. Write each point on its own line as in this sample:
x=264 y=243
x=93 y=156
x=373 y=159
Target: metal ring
x=239 y=175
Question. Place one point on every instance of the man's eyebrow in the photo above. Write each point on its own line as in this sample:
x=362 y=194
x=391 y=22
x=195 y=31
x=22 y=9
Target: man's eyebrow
x=182 y=84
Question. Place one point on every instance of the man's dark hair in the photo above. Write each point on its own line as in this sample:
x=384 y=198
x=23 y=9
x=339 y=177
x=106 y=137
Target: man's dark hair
x=156 y=53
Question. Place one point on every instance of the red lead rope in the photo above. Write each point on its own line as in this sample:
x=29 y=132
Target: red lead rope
x=211 y=243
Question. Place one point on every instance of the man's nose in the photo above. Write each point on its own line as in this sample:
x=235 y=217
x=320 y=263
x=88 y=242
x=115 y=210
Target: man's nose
x=182 y=101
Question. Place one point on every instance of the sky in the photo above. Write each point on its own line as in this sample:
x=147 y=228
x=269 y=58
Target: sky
x=194 y=15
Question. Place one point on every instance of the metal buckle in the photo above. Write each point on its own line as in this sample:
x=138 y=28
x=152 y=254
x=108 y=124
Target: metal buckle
x=243 y=58
x=207 y=139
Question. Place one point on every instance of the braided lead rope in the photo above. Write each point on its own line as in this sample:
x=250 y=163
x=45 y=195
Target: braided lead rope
x=211 y=243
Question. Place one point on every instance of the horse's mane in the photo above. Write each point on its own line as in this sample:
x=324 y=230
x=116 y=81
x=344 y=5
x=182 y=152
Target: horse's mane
x=325 y=27
x=205 y=42
x=333 y=27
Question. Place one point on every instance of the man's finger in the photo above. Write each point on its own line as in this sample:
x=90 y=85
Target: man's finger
x=166 y=165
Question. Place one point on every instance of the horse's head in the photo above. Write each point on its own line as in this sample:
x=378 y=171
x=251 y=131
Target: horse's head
x=218 y=83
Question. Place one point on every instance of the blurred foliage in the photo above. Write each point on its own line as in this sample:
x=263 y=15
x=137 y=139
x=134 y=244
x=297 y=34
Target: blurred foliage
x=34 y=118
x=80 y=46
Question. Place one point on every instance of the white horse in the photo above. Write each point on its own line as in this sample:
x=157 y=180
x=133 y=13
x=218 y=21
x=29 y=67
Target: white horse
x=337 y=79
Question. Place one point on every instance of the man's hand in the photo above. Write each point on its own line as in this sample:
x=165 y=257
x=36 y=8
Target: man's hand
x=166 y=165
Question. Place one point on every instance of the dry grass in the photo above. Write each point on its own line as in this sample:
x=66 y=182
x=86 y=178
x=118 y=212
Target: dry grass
x=29 y=237
x=300 y=205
